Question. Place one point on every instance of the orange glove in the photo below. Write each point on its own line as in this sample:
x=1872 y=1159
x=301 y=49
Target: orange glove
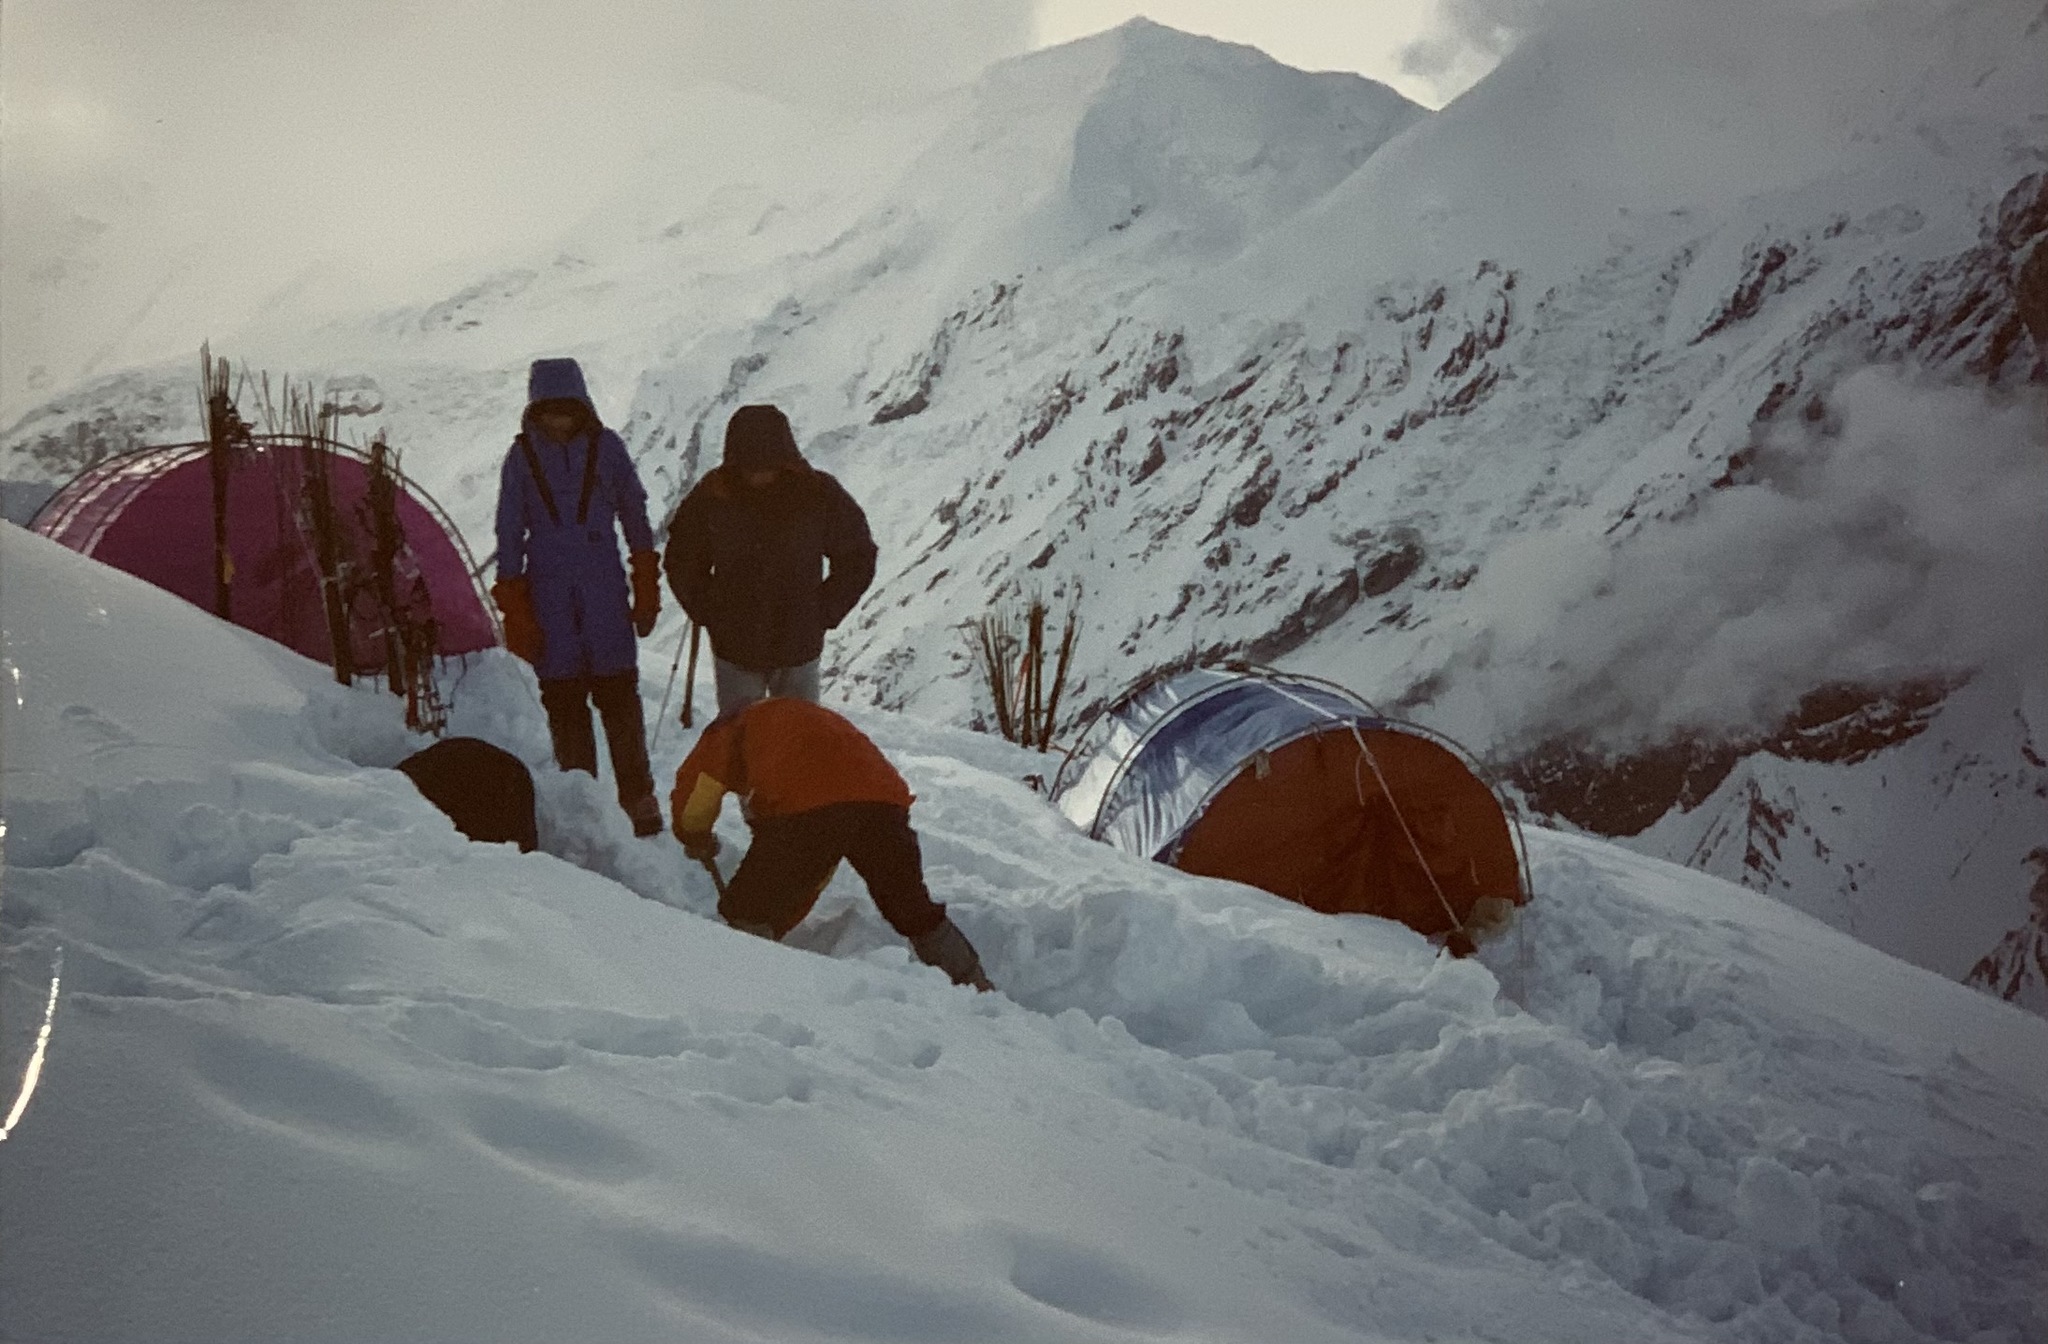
x=646 y=591
x=522 y=628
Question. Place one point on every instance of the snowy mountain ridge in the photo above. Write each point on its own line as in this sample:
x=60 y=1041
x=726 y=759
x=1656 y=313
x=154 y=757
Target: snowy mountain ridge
x=1567 y=420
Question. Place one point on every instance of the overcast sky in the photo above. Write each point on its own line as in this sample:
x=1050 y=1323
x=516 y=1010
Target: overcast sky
x=137 y=137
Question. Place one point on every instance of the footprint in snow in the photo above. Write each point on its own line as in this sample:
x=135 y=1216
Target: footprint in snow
x=283 y=1089
x=779 y=1296
x=554 y=1140
x=1088 y=1282
x=102 y=733
x=463 y=1036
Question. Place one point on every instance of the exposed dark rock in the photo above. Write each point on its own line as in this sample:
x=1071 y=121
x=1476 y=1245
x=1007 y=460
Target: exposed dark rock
x=1761 y=277
x=1846 y=724
x=1392 y=566
x=1058 y=404
x=1621 y=795
x=1258 y=492
x=2018 y=966
x=463 y=310
x=1315 y=612
x=1155 y=458
x=919 y=399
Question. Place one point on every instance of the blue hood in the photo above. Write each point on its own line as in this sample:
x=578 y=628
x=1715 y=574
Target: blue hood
x=550 y=379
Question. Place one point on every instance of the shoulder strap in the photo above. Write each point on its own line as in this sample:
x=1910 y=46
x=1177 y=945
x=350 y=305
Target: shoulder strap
x=589 y=477
x=547 y=496
x=540 y=480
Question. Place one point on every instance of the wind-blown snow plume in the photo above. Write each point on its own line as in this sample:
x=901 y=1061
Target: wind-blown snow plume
x=1903 y=531
x=1472 y=36
x=1474 y=29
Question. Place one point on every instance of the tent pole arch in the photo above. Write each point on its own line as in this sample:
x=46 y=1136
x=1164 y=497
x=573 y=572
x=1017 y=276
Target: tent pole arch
x=1157 y=676
x=1137 y=747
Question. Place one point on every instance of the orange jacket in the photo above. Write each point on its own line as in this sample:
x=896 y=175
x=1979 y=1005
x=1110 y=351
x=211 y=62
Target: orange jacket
x=782 y=757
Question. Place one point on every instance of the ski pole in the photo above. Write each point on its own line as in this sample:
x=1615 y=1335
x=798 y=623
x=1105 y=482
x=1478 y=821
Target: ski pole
x=689 y=682
x=674 y=663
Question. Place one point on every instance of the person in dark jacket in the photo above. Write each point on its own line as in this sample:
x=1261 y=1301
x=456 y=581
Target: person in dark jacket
x=814 y=790
x=568 y=608
x=766 y=553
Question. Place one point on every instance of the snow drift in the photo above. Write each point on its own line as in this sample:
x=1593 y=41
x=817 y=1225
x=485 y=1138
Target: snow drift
x=324 y=1070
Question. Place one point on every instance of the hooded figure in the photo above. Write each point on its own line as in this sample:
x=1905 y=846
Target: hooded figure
x=767 y=553
x=566 y=488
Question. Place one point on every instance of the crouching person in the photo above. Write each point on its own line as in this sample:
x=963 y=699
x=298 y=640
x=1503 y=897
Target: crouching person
x=814 y=791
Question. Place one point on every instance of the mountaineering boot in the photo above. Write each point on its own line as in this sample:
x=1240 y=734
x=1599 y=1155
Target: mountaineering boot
x=944 y=946
x=646 y=814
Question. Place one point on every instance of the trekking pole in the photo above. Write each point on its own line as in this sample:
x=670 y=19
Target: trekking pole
x=689 y=682
x=662 y=717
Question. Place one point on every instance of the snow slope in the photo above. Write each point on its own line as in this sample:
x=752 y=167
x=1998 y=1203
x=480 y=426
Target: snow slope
x=321 y=1069
x=1668 y=383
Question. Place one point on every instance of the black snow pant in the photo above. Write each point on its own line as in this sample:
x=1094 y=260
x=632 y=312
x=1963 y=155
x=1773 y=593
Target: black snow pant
x=567 y=701
x=792 y=858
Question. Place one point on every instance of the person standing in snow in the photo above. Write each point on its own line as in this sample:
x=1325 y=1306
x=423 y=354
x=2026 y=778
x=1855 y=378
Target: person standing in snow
x=815 y=790
x=567 y=605
x=767 y=553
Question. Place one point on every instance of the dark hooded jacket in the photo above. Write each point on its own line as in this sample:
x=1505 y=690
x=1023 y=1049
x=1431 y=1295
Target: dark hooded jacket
x=579 y=587
x=767 y=571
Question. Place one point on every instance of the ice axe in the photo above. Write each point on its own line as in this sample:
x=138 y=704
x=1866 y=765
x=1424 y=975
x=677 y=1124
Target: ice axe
x=717 y=878
x=718 y=881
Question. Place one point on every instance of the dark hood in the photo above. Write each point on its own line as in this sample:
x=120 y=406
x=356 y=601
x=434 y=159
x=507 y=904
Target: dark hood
x=758 y=438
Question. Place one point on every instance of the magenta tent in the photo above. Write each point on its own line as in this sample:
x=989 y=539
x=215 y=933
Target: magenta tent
x=150 y=512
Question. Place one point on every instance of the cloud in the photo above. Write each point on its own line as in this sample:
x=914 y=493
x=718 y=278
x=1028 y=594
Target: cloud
x=1905 y=534
x=240 y=144
x=1471 y=37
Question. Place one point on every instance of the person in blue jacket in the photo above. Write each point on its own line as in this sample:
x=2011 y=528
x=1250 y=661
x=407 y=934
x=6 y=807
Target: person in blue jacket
x=568 y=606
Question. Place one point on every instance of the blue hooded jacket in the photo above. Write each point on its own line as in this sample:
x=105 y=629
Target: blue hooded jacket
x=580 y=594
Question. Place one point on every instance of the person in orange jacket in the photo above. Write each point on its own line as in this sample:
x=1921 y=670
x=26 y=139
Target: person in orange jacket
x=814 y=790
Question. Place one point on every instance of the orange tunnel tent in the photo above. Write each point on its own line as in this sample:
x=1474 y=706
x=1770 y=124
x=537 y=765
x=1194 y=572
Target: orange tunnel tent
x=1296 y=786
